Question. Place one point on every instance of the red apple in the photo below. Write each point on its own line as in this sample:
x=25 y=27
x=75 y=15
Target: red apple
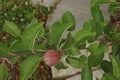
x=51 y=57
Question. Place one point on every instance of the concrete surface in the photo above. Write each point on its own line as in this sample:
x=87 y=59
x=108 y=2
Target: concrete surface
x=81 y=10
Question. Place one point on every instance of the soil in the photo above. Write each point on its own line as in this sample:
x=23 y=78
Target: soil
x=115 y=20
x=118 y=0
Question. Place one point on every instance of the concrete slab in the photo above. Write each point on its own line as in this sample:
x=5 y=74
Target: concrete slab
x=79 y=8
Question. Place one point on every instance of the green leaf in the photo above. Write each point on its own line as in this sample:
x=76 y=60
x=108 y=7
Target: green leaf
x=103 y=46
x=107 y=66
x=83 y=35
x=87 y=73
x=97 y=14
x=60 y=65
x=12 y=29
x=96 y=55
x=33 y=22
x=28 y=66
x=108 y=76
x=4 y=50
x=28 y=39
x=15 y=59
x=67 y=42
x=116 y=49
x=98 y=27
x=74 y=50
x=40 y=47
x=115 y=36
x=3 y=72
x=29 y=35
x=41 y=33
x=57 y=31
x=89 y=24
x=116 y=66
x=107 y=31
x=114 y=8
x=98 y=2
x=76 y=62
x=69 y=18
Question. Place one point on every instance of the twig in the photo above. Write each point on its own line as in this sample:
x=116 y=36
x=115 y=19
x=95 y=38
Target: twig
x=23 y=54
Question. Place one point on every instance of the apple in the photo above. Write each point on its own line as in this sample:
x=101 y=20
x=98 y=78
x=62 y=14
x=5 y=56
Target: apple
x=51 y=57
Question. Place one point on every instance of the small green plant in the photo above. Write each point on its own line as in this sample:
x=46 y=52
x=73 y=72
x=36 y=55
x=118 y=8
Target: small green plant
x=21 y=12
x=36 y=44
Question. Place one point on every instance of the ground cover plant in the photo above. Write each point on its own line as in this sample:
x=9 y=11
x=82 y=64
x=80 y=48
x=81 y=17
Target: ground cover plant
x=38 y=43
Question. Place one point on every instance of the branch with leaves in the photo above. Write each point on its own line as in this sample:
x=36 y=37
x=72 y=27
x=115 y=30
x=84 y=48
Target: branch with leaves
x=39 y=43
